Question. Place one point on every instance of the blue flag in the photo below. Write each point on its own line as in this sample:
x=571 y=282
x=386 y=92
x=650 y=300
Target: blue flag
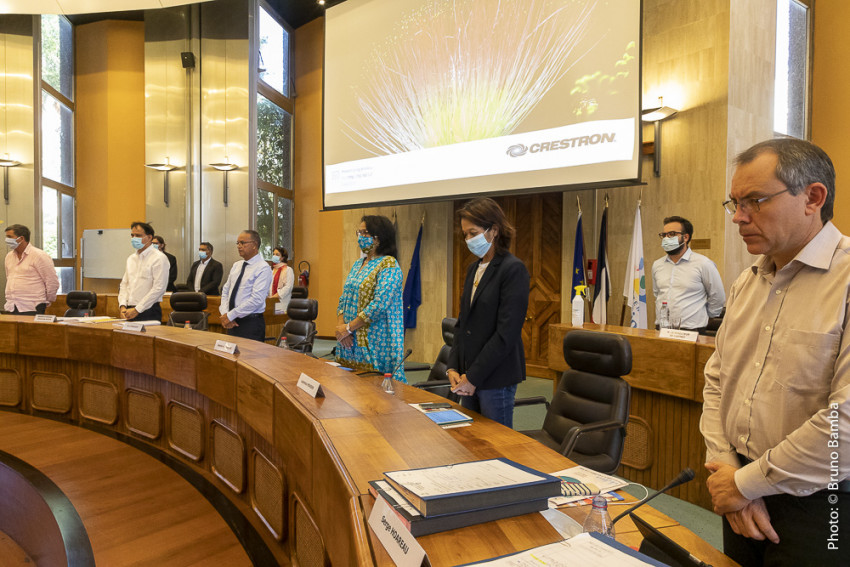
x=413 y=287
x=578 y=260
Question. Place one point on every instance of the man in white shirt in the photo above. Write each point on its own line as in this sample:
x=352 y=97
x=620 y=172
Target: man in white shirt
x=31 y=281
x=145 y=277
x=687 y=281
x=243 y=297
x=205 y=274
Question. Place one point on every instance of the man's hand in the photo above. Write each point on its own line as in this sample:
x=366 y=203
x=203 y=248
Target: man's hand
x=130 y=313
x=725 y=496
x=464 y=387
x=227 y=323
x=753 y=521
x=123 y=312
x=454 y=377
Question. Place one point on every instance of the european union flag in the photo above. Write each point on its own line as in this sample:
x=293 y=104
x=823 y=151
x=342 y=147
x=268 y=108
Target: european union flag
x=578 y=260
x=413 y=287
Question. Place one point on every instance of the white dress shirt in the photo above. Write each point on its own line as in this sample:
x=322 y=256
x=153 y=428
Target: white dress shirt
x=145 y=279
x=199 y=272
x=691 y=287
x=253 y=290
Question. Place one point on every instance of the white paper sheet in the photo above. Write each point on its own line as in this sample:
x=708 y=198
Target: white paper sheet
x=463 y=477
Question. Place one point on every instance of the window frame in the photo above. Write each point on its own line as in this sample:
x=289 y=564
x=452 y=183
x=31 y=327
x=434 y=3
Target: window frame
x=807 y=114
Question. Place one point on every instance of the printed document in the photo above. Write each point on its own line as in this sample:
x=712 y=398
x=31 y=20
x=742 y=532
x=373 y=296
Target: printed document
x=462 y=477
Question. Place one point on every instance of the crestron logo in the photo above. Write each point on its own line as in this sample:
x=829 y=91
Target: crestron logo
x=517 y=150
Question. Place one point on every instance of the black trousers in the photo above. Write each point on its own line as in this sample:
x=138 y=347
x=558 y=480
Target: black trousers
x=250 y=327
x=152 y=314
x=813 y=530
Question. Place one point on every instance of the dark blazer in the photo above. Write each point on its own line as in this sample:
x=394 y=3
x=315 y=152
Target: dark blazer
x=211 y=278
x=172 y=271
x=488 y=334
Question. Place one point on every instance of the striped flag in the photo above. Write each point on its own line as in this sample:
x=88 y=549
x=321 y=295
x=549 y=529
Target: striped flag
x=634 y=289
x=602 y=289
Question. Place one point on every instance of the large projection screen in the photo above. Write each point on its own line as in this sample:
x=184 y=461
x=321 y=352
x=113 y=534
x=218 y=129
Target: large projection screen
x=430 y=99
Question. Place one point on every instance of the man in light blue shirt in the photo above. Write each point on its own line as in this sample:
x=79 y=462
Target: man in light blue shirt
x=687 y=281
x=243 y=298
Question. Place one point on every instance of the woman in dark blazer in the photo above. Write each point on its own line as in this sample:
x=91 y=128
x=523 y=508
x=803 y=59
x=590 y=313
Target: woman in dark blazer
x=487 y=360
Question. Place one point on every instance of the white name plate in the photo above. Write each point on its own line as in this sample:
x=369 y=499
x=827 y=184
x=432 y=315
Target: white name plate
x=310 y=386
x=403 y=548
x=45 y=318
x=224 y=346
x=131 y=326
x=679 y=335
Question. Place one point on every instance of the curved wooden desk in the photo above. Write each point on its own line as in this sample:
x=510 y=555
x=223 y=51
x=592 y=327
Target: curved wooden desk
x=296 y=467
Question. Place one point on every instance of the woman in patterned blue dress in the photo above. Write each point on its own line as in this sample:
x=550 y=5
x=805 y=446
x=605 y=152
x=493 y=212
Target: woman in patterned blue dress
x=370 y=331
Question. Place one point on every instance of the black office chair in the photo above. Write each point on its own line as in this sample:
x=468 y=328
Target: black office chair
x=437 y=381
x=587 y=419
x=714 y=324
x=299 y=292
x=80 y=303
x=189 y=306
x=300 y=329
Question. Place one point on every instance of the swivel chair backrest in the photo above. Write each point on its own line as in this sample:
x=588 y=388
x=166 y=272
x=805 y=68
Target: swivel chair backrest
x=80 y=303
x=299 y=292
x=593 y=390
x=189 y=306
x=438 y=369
x=300 y=329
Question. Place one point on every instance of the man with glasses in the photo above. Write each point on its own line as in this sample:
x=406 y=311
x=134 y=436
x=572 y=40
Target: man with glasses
x=776 y=417
x=687 y=281
x=243 y=298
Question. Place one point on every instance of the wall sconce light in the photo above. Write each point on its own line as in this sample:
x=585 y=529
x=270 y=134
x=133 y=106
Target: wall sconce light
x=166 y=168
x=226 y=167
x=657 y=115
x=6 y=163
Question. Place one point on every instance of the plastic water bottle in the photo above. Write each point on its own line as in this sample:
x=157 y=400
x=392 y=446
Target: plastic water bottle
x=283 y=343
x=598 y=519
x=664 y=316
x=187 y=325
x=387 y=384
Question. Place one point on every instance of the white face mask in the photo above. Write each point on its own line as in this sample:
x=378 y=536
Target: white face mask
x=12 y=243
x=670 y=243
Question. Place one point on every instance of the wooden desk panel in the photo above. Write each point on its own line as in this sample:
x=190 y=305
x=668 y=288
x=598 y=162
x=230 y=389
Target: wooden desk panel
x=87 y=342
x=8 y=336
x=325 y=449
x=42 y=339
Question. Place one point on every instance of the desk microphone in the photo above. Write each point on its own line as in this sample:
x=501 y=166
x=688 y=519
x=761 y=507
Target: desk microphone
x=407 y=353
x=686 y=475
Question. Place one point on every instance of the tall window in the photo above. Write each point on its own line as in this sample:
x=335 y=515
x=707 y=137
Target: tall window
x=58 y=192
x=793 y=50
x=274 y=132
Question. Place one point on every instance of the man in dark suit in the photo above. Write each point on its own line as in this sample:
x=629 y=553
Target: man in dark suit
x=159 y=244
x=206 y=273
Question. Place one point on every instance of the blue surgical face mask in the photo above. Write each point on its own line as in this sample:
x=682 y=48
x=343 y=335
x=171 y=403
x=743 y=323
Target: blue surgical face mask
x=275 y=259
x=365 y=242
x=12 y=243
x=137 y=243
x=478 y=245
x=670 y=243
x=155 y=246
x=202 y=255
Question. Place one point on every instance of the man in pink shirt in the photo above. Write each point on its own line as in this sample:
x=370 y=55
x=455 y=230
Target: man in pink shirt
x=31 y=281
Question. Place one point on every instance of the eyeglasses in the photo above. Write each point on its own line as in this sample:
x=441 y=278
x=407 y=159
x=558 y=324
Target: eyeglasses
x=670 y=234
x=363 y=232
x=244 y=242
x=748 y=206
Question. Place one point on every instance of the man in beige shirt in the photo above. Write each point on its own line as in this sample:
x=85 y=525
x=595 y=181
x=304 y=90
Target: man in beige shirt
x=776 y=418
